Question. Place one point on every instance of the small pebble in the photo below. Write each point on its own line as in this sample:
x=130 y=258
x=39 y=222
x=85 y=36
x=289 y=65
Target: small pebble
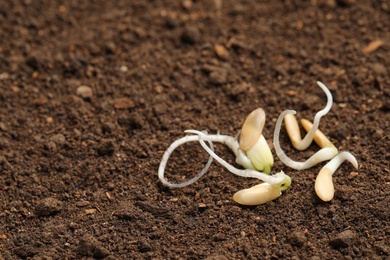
x=159 y=89
x=124 y=69
x=84 y=92
x=202 y=205
x=186 y=4
x=90 y=211
x=353 y=174
x=221 y=51
x=108 y=127
x=123 y=103
x=82 y=203
x=59 y=139
x=49 y=120
x=4 y=76
x=239 y=89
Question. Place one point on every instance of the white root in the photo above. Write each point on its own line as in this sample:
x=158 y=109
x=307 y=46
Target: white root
x=229 y=141
x=168 y=153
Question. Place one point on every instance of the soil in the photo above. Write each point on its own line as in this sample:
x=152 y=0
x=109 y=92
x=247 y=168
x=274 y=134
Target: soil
x=78 y=165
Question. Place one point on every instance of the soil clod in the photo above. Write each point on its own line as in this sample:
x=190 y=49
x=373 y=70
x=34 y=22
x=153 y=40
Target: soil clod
x=49 y=206
x=343 y=239
x=91 y=247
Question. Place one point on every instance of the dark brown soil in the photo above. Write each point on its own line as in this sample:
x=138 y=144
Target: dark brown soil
x=78 y=170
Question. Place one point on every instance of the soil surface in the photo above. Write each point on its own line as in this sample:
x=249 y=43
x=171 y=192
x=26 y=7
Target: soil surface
x=94 y=92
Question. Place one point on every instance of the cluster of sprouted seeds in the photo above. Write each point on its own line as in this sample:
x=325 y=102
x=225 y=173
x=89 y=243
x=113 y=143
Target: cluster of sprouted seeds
x=254 y=155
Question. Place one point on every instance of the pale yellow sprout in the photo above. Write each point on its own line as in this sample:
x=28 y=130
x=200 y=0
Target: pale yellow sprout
x=323 y=185
x=253 y=143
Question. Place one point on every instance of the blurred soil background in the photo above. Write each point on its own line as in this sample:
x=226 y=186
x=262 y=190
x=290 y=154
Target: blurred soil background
x=93 y=92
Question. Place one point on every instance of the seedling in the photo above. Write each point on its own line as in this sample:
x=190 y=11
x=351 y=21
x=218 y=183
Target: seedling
x=253 y=153
x=253 y=144
x=324 y=184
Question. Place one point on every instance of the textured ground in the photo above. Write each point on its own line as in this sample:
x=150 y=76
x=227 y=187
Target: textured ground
x=78 y=170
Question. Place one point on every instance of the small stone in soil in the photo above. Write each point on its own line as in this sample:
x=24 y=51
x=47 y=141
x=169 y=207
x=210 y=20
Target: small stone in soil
x=343 y=239
x=84 y=92
x=123 y=103
x=221 y=51
x=90 y=211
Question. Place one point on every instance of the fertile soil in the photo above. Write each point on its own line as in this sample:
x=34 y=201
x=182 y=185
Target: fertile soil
x=78 y=166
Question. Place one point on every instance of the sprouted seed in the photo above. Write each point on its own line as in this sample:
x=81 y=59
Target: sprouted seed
x=253 y=143
x=323 y=185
